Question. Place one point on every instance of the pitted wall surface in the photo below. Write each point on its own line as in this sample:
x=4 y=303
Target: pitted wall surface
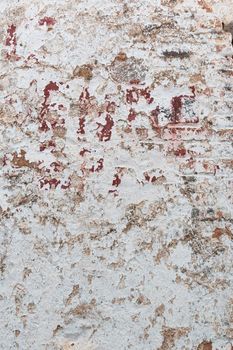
x=116 y=174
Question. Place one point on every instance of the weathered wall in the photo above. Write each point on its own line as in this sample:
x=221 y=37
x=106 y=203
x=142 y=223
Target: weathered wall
x=116 y=174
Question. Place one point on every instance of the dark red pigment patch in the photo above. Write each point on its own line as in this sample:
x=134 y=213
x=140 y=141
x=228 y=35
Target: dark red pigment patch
x=110 y=107
x=99 y=166
x=85 y=95
x=49 y=21
x=52 y=86
x=11 y=41
x=61 y=107
x=81 y=129
x=177 y=104
x=58 y=123
x=116 y=181
x=11 y=38
x=180 y=152
x=147 y=177
x=67 y=184
x=57 y=166
x=44 y=126
x=106 y=130
x=53 y=183
x=151 y=179
x=146 y=93
x=133 y=95
x=46 y=144
x=32 y=57
x=132 y=115
x=83 y=151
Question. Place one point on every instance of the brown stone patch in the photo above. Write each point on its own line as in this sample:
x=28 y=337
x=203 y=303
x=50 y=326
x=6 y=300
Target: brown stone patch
x=85 y=71
x=75 y=291
x=218 y=232
x=205 y=345
x=204 y=4
x=19 y=160
x=81 y=310
x=170 y=335
x=121 y=56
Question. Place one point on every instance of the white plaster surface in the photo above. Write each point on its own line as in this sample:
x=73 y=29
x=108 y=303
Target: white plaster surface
x=116 y=174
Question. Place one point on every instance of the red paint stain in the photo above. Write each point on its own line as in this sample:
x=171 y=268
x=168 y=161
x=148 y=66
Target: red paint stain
x=67 y=184
x=81 y=129
x=106 y=130
x=146 y=93
x=53 y=183
x=132 y=115
x=57 y=166
x=47 y=144
x=111 y=107
x=92 y=169
x=83 y=151
x=177 y=104
x=11 y=38
x=192 y=88
x=32 y=57
x=116 y=181
x=58 y=123
x=154 y=178
x=49 y=21
x=44 y=126
x=147 y=177
x=51 y=86
x=11 y=41
x=133 y=95
x=100 y=165
x=85 y=95
x=150 y=179
x=180 y=152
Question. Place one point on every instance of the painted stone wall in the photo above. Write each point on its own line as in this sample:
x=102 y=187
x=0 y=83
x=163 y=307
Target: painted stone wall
x=116 y=174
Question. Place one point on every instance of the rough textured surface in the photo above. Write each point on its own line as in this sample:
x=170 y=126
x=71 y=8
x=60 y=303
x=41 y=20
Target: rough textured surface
x=116 y=174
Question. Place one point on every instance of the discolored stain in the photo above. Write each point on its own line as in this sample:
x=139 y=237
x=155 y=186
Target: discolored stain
x=177 y=54
x=84 y=71
x=129 y=69
x=170 y=335
x=205 y=345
